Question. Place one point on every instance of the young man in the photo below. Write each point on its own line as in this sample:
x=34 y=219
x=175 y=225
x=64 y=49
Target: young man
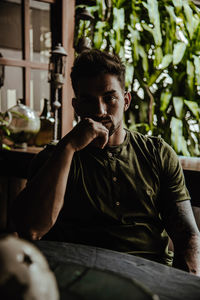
x=105 y=186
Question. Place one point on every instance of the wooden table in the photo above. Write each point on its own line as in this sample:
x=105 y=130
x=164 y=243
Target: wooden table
x=74 y=265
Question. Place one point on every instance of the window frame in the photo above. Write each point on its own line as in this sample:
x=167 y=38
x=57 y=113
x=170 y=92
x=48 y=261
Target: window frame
x=63 y=12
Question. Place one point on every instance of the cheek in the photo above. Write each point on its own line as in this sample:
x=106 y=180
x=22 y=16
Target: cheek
x=118 y=109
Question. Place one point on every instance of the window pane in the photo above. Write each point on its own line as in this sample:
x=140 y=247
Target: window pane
x=11 y=29
x=40 y=33
x=12 y=88
x=39 y=88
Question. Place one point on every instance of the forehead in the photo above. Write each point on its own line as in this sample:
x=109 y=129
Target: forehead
x=99 y=84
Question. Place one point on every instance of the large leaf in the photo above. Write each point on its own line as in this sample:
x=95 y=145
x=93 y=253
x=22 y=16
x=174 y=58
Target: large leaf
x=184 y=149
x=178 y=3
x=193 y=107
x=118 y=21
x=176 y=126
x=197 y=69
x=158 y=56
x=192 y=22
x=166 y=61
x=118 y=25
x=164 y=100
x=178 y=53
x=129 y=75
x=178 y=106
x=154 y=16
x=177 y=138
x=171 y=12
x=101 y=9
x=143 y=54
x=190 y=78
x=135 y=40
x=154 y=77
x=99 y=34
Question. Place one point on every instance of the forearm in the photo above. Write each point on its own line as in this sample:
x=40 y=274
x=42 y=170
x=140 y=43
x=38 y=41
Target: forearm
x=37 y=207
x=182 y=229
x=187 y=257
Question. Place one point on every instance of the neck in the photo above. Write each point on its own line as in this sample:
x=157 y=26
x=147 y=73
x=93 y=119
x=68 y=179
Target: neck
x=117 y=138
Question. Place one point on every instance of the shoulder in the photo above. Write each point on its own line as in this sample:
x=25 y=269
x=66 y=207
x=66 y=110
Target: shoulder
x=156 y=148
x=40 y=159
x=146 y=141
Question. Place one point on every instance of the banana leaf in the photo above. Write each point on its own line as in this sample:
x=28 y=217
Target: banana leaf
x=154 y=17
x=158 y=56
x=99 y=34
x=178 y=141
x=165 y=100
x=170 y=10
x=178 y=4
x=178 y=53
x=190 y=78
x=101 y=9
x=178 y=103
x=192 y=22
x=143 y=54
x=129 y=75
x=166 y=61
x=197 y=69
x=193 y=107
x=135 y=39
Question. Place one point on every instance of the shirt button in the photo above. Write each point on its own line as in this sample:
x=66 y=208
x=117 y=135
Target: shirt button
x=117 y=203
x=110 y=154
x=114 y=179
x=149 y=192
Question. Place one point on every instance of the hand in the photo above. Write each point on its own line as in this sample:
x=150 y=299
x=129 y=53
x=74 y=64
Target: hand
x=88 y=131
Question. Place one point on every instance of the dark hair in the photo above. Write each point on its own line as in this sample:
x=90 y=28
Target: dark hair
x=91 y=63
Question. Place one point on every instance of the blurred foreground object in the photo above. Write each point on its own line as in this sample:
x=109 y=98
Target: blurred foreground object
x=24 y=272
x=24 y=126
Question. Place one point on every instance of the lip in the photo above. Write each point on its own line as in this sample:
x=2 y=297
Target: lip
x=104 y=121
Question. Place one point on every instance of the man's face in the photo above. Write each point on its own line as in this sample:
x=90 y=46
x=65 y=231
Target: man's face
x=102 y=99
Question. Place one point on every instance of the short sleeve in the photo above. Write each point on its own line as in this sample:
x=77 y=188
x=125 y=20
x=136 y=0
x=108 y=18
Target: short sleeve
x=173 y=187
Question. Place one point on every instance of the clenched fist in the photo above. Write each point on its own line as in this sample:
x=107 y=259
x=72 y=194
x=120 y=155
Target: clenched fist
x=87 y=131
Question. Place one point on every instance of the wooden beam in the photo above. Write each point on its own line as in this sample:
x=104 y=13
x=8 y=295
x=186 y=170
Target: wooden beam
x=47 y=1
x=68 y=13
x=23 y=63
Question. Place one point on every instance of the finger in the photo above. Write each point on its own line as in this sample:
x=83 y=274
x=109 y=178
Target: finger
x=102 y=139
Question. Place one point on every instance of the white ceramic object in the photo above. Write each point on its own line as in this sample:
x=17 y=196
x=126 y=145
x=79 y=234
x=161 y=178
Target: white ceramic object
x=24 y=272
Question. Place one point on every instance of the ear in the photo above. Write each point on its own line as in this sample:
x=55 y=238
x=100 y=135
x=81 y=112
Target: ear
x=75 y=105
x=127 y=100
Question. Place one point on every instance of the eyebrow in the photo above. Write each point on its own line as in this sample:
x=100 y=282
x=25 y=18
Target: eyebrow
x=105 y=94
x=109 y=92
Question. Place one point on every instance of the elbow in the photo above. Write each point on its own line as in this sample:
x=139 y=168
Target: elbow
x=31 y=227
x=30 y=234
x=30 y=231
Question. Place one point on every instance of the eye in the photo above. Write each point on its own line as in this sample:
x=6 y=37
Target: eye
x=110 y=98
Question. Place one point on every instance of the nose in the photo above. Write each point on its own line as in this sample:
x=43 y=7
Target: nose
x=100 y=107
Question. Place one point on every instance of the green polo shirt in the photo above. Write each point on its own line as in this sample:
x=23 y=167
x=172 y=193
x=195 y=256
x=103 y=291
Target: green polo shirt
x=115 y=196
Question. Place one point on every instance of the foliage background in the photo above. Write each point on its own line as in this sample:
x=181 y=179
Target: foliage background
x=159 y=42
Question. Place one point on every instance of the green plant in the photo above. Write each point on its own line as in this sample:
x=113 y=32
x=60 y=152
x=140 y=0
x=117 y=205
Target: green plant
x=4 y=131
x=159 y=42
